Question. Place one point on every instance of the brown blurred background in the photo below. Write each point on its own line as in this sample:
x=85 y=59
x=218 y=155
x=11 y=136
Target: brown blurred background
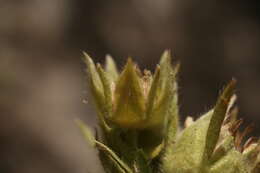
x=42 y=77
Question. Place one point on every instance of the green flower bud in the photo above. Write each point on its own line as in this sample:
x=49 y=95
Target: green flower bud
x=130 y=99
x=138 y=118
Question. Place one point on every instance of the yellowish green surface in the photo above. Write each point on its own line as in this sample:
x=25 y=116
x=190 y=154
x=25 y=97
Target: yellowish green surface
x=139 y=130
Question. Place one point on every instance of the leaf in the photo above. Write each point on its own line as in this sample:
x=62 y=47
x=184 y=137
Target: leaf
x=233 y=162
x=107 y=90
x=97 y=91
x=165 y=65
x=163 y=94
x=117 y=161
x=152 y=93
x=111 y=69
x=217 y=119
x=156 y=125
x=173 y=122
x=96 y=83
x=162 y=116
x=86 y=132
x=159 y=112
x=222 y=150
x=129 y=100
x=186 y=153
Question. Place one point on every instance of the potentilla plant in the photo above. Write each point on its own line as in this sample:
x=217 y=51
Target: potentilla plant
x=139 y=130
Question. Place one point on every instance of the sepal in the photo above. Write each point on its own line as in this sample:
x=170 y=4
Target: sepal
x=129 y=103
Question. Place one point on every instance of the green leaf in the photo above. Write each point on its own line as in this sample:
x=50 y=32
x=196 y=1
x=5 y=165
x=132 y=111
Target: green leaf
x=226 y=145
x=217 y=119
x=116 y=160
x=107 y=90
x=129 y=99
x=166 y=69
x=166 y=58
x=97 y=91
x=157 y=122
x=163 y=94
x=111 y=69
x=233 y=162
x=173 y=122
x=86 y=132
x=152 y=92
x=186 y=153
x=159 y=114
x=95 y=80
x=162 y=110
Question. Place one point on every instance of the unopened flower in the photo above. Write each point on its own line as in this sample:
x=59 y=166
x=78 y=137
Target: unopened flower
x=133 y=99
x=138 y=118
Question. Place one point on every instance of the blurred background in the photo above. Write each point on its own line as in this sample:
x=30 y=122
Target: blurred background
x=42 y=79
